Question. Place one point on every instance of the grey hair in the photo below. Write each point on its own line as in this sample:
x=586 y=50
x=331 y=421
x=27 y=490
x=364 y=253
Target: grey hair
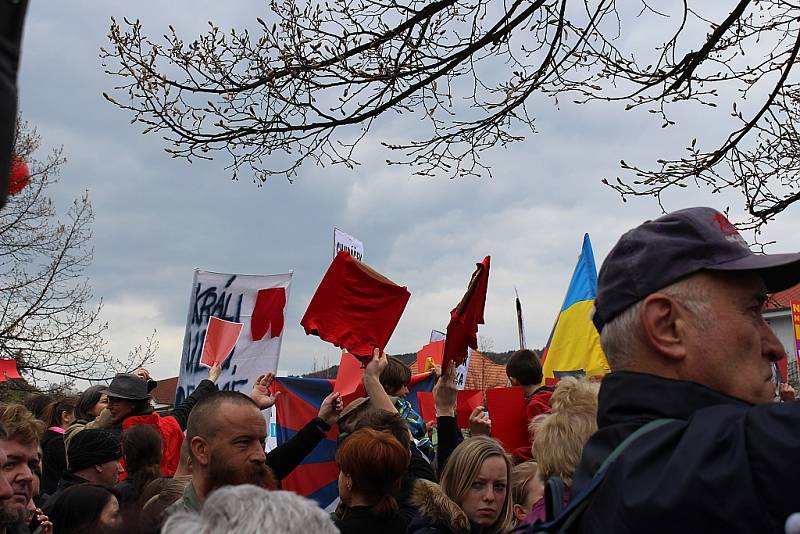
x=621 y=337
x=248 y=509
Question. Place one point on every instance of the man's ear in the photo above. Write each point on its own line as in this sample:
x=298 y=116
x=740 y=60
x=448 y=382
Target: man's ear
x=200 y=450
x=664 y=325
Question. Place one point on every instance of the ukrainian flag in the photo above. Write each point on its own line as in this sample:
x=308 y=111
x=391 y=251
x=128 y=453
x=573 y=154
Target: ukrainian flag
x=574 y=344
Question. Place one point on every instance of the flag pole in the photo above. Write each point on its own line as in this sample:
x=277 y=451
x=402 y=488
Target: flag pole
x=520 y=326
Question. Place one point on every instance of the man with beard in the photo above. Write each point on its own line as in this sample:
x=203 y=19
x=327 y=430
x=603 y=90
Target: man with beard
x=226 y=432
x=20 y=446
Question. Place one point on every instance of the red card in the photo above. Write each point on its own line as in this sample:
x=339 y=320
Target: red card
x=507 y=411
x=221 y=337
x=8 y=369
x=433 y=350
x=349 y=375
x=427 y=407
x=468 y=399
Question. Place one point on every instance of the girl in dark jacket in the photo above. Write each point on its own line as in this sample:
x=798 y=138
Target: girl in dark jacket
x=473 y=496
x=58 y=416
x=371 y=465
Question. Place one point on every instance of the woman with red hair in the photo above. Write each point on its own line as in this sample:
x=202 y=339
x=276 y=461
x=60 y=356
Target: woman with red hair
x=371 y=466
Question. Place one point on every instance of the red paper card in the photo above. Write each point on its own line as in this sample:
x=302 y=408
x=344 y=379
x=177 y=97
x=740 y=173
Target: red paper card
x=349 y=375
x=507 y=411
x=433 y=350
x=8 y=369
x=221 y=337
x=468 y=399
x=427 y=407
x=354 y=307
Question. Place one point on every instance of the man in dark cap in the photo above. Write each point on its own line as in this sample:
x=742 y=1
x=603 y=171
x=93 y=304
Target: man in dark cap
x=93 y=457
x=679 y=311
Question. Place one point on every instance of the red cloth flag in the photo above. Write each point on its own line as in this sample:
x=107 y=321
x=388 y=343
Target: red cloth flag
x=462 y=332
x=221 y=337
x=268 y=312
x=507 y=411
x=354 y=307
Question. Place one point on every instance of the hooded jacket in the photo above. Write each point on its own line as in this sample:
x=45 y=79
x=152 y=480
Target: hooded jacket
x=438 y=514
x=723 y=465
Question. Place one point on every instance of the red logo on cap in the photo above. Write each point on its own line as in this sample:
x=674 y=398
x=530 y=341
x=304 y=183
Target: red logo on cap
x=725 y=225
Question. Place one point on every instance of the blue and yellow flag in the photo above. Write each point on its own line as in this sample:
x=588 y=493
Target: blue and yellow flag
x=574 y=344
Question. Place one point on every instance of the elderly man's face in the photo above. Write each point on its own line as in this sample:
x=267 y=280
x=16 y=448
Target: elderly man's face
x=731 y=350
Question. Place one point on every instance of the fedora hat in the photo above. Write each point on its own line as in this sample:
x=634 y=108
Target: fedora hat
x=127 y=386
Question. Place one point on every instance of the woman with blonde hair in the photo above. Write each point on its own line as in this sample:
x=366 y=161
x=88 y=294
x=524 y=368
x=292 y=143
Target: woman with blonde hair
x=473 y=494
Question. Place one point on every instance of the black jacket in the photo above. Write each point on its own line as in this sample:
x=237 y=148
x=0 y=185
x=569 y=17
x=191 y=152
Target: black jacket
x=288 y=455
x=361 y=520
x=438 y=514
x=724 y=465
x=54 y=460
x=67 y=481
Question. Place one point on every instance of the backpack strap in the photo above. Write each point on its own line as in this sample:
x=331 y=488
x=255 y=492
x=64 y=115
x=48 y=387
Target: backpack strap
x=567 y=519
x=553 y=497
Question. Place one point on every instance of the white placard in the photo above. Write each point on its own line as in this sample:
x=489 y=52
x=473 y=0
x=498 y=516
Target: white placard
x=231 y=297
x=344 y=241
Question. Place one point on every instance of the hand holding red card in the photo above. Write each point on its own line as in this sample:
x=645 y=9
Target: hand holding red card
x=221 y=338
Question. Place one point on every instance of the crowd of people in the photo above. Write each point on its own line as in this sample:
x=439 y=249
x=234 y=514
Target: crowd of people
x=684 y=435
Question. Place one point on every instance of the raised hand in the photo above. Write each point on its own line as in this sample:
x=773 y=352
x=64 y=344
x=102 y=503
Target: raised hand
x=262 y=393
x=445 y=392
x=214 y=371
x=479 y=422
x=331 y=407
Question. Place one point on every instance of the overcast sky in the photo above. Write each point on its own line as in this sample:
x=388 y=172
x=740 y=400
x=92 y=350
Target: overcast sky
x=158 y=218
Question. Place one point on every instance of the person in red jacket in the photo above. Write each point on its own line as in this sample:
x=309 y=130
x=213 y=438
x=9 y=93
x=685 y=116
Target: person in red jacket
x=524 y=369
x=130 y=405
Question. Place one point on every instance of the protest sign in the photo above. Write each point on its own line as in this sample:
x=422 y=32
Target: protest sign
x=506 y=408
x=461 y=371
x=221 y=337
x=343 y=241
x=233 y=297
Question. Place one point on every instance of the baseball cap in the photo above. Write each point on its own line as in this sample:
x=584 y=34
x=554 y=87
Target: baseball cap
x=660 y=252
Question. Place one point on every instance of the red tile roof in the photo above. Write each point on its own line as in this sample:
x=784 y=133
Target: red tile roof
x=782 y=299
x=483 y=373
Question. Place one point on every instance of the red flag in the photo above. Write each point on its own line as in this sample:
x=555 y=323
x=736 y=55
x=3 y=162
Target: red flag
x=268 y=313
x=462 y=332
x=354 y=307
x=221 y=337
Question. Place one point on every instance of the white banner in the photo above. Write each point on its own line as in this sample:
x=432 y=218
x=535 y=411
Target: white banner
x=257 y=301
x=343 y=241
x=461 y=371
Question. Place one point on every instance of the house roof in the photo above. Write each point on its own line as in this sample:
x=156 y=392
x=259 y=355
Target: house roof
x=782 y=300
